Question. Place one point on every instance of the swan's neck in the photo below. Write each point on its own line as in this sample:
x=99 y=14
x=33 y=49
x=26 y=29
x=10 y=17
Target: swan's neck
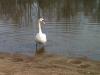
x=40 y=30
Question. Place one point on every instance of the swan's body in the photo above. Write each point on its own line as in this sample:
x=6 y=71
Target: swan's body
x=40 y=37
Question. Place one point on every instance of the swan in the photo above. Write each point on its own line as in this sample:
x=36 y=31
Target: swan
x=40 y=36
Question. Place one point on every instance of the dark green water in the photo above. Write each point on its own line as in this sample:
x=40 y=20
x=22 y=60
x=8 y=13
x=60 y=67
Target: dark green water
x=72 y=26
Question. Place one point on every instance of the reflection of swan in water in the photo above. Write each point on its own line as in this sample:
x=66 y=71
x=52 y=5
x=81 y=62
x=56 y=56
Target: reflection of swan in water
x=40 y=37
x=40 y=51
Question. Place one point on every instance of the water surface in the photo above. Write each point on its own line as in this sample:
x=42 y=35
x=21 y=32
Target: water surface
x=72 y=26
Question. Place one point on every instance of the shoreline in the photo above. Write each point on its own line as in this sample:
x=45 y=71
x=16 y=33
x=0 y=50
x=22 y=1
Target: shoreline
x=19 y=64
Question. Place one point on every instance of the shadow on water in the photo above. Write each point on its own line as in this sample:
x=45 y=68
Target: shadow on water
x=23 y=10
x=40 y=51
x=72 y=26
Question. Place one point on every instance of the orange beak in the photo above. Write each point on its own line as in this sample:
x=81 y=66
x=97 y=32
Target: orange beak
x=43 y=22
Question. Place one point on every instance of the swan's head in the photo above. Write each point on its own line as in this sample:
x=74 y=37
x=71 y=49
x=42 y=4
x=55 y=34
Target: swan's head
x=41 y=20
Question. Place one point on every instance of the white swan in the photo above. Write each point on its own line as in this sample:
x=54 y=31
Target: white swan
x=40 y=36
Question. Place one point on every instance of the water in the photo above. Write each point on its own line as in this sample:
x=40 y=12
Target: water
x=72 y=26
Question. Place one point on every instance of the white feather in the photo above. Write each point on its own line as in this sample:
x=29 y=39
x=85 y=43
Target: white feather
x=40 y=37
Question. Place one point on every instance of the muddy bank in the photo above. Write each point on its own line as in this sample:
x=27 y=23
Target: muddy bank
x=18 y=64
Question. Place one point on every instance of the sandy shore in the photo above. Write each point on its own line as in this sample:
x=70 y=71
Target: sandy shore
x=16 y=64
